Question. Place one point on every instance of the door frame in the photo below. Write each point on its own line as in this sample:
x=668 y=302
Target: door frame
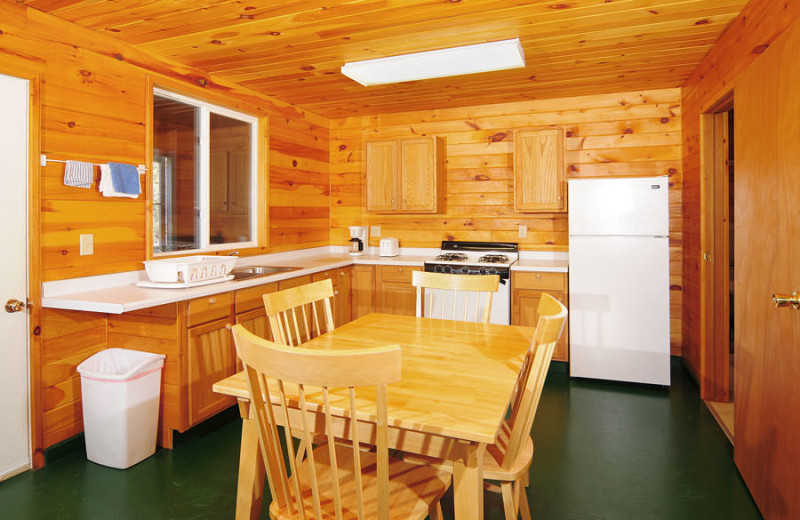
x=33 y=72
x=714 y=246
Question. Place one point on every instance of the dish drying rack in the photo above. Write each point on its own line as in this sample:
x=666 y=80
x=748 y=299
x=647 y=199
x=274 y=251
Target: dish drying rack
x=189 y=270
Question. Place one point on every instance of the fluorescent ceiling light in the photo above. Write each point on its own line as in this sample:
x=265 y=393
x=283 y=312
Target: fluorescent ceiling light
x=455 y=61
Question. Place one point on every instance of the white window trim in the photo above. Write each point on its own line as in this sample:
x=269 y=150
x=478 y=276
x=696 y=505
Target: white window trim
x=204 y=160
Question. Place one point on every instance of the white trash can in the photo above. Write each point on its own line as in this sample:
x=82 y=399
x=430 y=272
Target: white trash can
x=120 y=390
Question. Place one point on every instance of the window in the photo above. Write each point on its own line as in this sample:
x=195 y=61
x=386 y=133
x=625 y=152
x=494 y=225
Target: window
x=204 y=176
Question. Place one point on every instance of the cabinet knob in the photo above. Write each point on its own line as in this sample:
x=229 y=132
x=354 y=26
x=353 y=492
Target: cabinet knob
x=212 y=300
x=538 y=275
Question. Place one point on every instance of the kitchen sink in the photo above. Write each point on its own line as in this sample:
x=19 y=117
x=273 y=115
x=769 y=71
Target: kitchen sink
x=254 y=271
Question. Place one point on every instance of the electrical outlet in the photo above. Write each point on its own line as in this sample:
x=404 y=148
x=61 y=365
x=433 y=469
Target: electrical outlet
x=375 y=231
x=523 y=231
x=87 y=245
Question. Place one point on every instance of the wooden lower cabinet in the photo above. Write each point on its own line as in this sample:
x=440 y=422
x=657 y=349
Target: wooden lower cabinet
x=362 y=290
x=526 y=291
x=394 y=292
x=341 y=292
x=211 y=357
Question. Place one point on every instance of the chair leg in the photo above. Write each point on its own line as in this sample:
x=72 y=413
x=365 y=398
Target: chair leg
x=524 y=506
x=435 y=511
x=509 y=505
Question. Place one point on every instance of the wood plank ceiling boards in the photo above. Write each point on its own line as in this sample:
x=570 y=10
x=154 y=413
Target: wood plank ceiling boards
x=293 y=50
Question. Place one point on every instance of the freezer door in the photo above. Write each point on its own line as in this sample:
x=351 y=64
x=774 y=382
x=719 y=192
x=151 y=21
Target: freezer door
x=632 y=206
x=619 y=309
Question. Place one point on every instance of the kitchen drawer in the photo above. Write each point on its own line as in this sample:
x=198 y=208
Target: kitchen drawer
x=397 y=273
x=253 y=297
x=541 y=281
x=208 y=308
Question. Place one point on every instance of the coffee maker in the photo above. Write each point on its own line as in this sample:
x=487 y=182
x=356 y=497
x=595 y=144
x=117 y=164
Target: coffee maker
x=358 y=242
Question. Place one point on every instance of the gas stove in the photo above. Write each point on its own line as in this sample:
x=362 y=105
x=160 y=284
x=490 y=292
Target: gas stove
x=478 y=258
x=459 y=257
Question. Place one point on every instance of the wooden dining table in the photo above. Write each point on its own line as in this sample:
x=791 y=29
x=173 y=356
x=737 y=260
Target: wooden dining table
x=457 y=382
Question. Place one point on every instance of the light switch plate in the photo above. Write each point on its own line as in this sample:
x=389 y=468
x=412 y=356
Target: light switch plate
x=87 y=245
x=523 y=231
x=375 y=231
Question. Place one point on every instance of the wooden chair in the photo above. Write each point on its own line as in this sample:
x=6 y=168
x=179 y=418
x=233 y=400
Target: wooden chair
x=508 y=460
x=334 y=480
x=299 y=314
x=460 y=295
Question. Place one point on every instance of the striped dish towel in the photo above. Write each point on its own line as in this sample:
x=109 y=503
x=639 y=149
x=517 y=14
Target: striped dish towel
x=79 y=174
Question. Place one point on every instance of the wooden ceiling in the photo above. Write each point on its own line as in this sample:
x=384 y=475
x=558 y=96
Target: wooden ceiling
x=293 y=49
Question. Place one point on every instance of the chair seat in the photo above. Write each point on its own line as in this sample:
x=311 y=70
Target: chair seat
x=412 y=488
x=491 y=467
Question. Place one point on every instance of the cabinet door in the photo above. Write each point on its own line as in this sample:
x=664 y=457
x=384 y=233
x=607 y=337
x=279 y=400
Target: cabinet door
x=539 y=179
x=382 y=176
x=340 y=278
x=524 y=305
x=256 y=322
x=362 y=293
x=396 y=295
x=211 y=357
x=417 y=175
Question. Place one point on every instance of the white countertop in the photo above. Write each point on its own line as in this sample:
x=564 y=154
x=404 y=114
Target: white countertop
x=118 y=293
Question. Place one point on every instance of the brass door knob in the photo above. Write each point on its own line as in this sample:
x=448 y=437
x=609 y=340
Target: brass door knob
x=13 y=305
x=784 y=300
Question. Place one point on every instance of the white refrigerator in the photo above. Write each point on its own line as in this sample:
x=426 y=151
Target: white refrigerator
x=619 y=279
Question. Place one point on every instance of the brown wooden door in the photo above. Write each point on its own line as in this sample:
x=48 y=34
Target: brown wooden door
x=539 y=180
x=382 y=175
x=362 y=294
x=418 y=175
x=767 y=259
x=211 y=359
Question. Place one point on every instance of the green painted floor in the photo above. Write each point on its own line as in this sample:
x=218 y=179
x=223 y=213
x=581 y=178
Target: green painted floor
x=603 y=451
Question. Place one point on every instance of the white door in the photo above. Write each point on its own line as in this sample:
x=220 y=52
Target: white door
x=14 y=406
x=633 y=206
x=619 y=308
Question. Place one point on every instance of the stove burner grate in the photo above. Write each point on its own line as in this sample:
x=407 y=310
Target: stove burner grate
x=451 y=257
x=493 y=259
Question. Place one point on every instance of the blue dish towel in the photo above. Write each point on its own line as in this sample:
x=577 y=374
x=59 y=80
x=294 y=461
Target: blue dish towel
x=125 y=178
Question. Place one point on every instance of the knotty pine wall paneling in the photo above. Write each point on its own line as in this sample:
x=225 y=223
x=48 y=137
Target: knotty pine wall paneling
x=94 y=107
x=616 y=135
x=750 y=34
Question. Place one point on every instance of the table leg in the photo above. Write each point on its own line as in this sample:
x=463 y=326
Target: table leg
x=468 y=483
x=251 y=469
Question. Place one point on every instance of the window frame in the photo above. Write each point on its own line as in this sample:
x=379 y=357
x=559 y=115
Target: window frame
x=205 y=109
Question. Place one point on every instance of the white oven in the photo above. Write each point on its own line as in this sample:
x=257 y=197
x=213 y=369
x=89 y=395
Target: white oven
x=476 y=258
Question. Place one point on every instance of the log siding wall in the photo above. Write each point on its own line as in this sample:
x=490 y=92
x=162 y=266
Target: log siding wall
x=617 y=135
x=94 y=104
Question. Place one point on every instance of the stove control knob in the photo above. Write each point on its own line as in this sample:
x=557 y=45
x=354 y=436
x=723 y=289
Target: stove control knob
x=491 y=270
x=438 y=269
x=446 y=269
x=464 y=270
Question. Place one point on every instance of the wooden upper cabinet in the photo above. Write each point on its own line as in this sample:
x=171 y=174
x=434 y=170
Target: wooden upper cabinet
x=381 y=175
x=406 y=175
x=539 y=177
